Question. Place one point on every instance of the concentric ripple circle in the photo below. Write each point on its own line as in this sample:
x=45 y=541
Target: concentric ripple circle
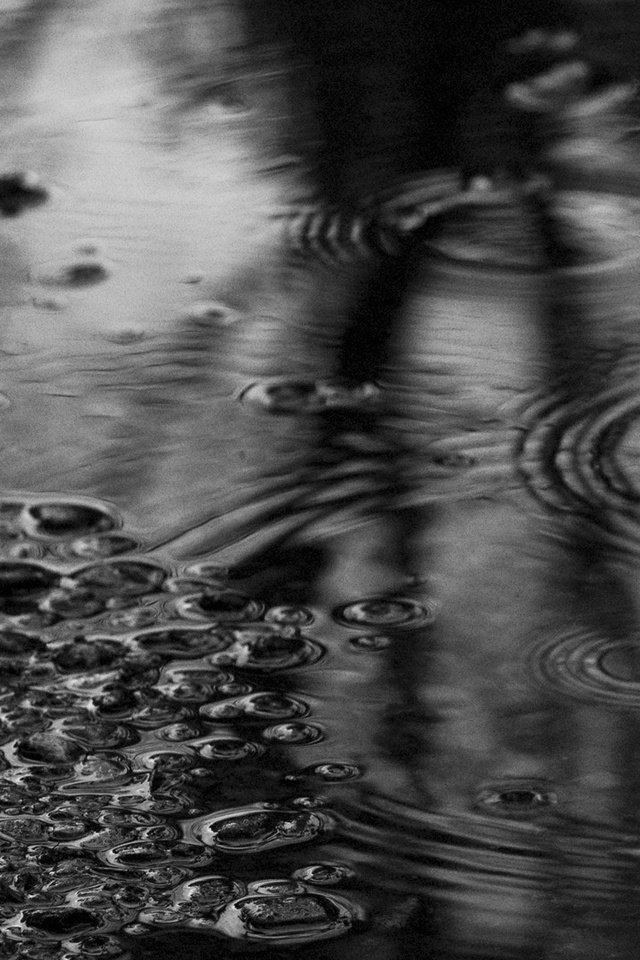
x=590 y=666
x=385 y=612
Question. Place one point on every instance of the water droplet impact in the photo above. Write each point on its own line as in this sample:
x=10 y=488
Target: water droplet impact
x=223 y=605
x=291 y=733
x=183 y=642
x=254 y=829
x=258 y=707
x=325 y=874
x=267 y=649
x=51 y=519
x=370 y=642
x=589 y=666
x=515 y=799
x=385 y=612
x=289 y=615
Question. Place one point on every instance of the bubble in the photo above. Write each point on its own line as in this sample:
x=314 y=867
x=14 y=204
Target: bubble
x=101 y=770
x=52 y=519
x=14 y=643
x=82 y=654
x=118 y=817
x=214 y=573
x=515 y=799
x=210 y=313
x=160 y=712
x=287 y=395
x=366 y=642
x=255 y=829
x=267 y=649
x=26 y=550
x=186 y=730
x=22 y=586
x=234 y=688
x=209 y=892
x=385 y=612
x=182 y=641
x=48 y=747
x=228 y=748
x=147 y=853
x=291 y=733
x=127 y=620
x=77 y=273
x=325 y=874
x=290 y=615
x=101 y=546
x=288 y=919
x=59 y=921
x=20 y=190
x=24 y=829
x=124 y=578
x=223 y=605
x=96 y=945
x=333 y=772
x=69 y=830
x=99 y=733
x=263 y=706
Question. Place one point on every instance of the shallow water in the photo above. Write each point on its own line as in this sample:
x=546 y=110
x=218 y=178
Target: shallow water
x=319 y=527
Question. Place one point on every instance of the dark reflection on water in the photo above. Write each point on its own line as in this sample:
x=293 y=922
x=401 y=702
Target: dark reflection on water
x=319 y=528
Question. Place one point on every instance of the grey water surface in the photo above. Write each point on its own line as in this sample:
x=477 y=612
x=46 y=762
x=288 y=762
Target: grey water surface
x=319 y=525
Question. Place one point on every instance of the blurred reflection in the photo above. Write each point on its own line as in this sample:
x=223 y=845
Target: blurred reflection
x=419 y=379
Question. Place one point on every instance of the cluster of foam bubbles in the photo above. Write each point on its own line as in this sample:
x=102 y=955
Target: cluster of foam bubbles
x=132 y=693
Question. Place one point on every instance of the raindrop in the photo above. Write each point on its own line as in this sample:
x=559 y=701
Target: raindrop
x=516 y=799
x=267 y=649
x=62 y=519
x=290 y=615
x=182 y=641
x=325 y=874
x=291 y=733
x=385 y=612
x=370 y=641
x=254 y=829
x=223 y=605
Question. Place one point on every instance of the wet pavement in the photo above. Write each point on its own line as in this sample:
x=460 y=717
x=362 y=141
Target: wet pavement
x=319 y=526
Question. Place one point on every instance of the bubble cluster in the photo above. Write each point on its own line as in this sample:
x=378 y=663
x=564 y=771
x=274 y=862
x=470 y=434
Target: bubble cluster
x=143 y=711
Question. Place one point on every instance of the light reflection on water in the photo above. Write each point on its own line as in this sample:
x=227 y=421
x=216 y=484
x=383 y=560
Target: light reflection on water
x=319 y=530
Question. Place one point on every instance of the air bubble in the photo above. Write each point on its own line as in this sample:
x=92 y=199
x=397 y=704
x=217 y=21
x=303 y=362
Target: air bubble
x=140 y=854
x=179 y=731
x=23 y=585
x=370 y=642
x=289 y=615
x=333 y=772
x=60 y=921
x=13 y=644
x=101 y=946
x=208 y=313
x=264 y=706
x=48 y=747
x=224 y=606
x=101 y=547
x=62 y=519
x=285 y=395
x=268 y=649
x=325 y=874
x=182 y=641
x=227 y=748
x=515 y=799
x=82 y=272
x=288 y=919
x=255 y=829
x=208 y=893
x=123 y=578
x=84 y=654
x=292 y=733
x=385 y=612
